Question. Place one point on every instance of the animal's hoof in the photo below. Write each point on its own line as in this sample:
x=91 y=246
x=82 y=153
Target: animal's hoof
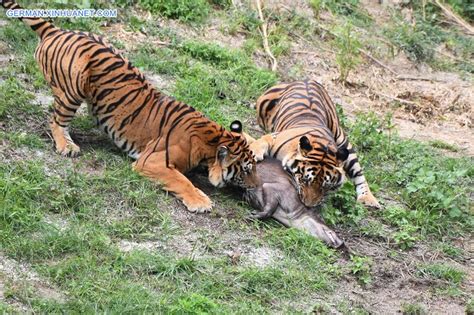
x=254 y=215
x=369 y=200
x=69 y=150
x=198 y=203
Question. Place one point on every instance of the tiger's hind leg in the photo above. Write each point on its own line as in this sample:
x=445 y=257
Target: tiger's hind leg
x=64 y=112
x=152 y=164
x=354 y=171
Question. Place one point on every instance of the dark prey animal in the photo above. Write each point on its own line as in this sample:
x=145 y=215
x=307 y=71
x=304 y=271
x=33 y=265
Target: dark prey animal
x=276 y=196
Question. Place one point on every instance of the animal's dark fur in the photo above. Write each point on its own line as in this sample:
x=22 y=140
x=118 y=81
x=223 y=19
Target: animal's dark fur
x=276 y=196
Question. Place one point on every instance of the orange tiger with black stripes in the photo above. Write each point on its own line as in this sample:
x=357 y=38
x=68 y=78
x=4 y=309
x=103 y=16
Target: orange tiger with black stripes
x=309 y=141
x=165 y=136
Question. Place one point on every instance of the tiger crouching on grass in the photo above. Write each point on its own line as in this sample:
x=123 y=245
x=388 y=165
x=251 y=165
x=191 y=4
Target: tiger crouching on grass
x=165 y=136
x=309 y=141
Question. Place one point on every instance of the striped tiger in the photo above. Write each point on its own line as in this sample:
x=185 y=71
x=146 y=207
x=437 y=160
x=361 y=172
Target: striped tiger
x=166 y=137
x=309 y=140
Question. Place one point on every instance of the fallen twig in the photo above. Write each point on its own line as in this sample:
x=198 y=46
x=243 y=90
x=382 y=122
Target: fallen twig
x=380 y=63
x=304 y=52
x=437 y=51
x=159 y=42
x=264 y=33
x=415 y=78
x=393 y=98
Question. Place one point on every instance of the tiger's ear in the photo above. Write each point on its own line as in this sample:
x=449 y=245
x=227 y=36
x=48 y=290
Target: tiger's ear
x=342 y=154
x=236 y=126
x=222 y=153
x=304 y=145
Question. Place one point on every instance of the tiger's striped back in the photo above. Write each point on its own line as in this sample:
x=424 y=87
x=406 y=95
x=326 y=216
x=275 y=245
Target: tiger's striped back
x=298 y=104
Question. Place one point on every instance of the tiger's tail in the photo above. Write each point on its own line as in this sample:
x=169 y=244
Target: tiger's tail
x=39 y=25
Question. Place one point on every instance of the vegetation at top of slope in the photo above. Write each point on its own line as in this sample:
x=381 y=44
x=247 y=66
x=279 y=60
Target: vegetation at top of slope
x=350 y=9
x=184 y=10
x=423 y=37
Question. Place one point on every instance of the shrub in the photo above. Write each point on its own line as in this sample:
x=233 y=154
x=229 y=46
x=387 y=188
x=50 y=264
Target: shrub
x=183 y=10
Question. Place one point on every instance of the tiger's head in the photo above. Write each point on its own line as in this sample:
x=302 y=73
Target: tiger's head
x=234 y=162
x=317 y=169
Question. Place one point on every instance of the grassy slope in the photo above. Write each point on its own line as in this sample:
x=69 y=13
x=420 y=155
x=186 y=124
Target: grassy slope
x=68 y=219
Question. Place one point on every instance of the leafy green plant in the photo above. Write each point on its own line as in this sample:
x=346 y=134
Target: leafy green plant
x=413 y=309
x=360 y=267
x=437 y=197
x=413 y=40
x=463 y=7
x=184 y=10
x=343 y=208
x=221 y=4
x=405 y=238
x=470 y=307
x=245 y=20
x=347 y=56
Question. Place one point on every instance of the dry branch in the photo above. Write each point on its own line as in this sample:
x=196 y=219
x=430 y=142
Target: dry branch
x=380 y=63
x=393 y=98
x=417 y=78
x=264 y=28
x=454 y=17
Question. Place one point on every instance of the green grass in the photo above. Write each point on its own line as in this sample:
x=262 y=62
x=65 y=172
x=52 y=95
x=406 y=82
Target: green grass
x=184 y=10
x=218 y=81
x=21 y=139
x=360 y=267
x=443 y=272
x=16 y=101
x=443 y=145
x=413 y=309
x=350 y=9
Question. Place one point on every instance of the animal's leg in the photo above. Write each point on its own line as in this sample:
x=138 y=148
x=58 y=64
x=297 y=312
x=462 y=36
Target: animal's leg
x=153 y=165
x=64 y=111
x=270 y=202
x=261 y=147
x=354 y=171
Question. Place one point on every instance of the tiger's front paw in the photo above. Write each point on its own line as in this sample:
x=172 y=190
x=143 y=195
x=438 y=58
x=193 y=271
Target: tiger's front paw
x=198 y=202
x=69 y=149
x=369 y=200
x=258 y=151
